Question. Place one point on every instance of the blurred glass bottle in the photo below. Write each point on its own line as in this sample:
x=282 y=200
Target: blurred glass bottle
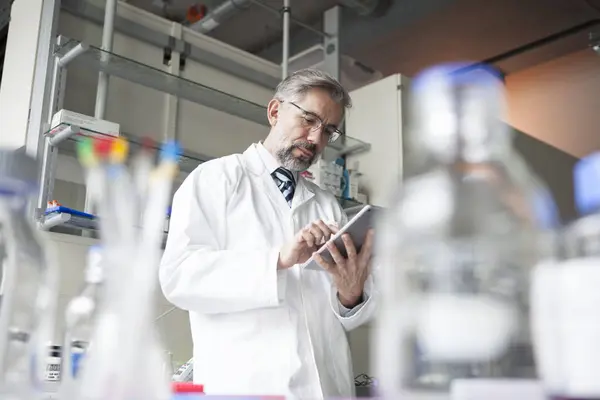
x=80 y=318
x=457 y=246
x=29 y=281
x=568 y=299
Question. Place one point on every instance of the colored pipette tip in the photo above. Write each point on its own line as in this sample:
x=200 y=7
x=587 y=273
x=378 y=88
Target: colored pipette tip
x=170 y=151
x=102 y=148
x=119 y=150
x=148 y=143
x=85 y=152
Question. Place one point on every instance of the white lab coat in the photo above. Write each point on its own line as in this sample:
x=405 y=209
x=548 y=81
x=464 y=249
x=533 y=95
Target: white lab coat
x=256 y=330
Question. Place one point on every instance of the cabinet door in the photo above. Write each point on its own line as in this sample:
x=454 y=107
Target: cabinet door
x=376 y=118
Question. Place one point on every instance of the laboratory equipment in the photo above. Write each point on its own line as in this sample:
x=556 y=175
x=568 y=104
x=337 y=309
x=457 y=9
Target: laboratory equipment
x=53 y=374
x=458 y=244
x=185 y=373
x=80 y=318
x=29 y=282
x=567 y=346
x=125 y=359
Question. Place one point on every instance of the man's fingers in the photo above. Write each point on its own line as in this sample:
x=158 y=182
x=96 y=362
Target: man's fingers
x=350 y=249
x=333 y=228
x=367 y=248
x=335 y=254
x=324 y=264
x=317 y=233
x=324 y=229
x=308 y=237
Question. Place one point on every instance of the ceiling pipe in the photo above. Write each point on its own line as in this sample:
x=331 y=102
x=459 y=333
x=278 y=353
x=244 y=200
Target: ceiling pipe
x=219 y=15
x=367 y=8
x=533 y=45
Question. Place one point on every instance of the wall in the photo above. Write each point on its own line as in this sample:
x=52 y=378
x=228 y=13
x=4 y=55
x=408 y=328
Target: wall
x=557 y=102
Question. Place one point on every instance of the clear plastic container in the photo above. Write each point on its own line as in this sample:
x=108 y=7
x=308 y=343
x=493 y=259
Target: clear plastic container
x=29 y=283
x=457 y=247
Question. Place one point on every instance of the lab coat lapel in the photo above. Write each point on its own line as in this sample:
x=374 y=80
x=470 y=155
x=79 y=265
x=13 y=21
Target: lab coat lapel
x=256 y=167
x=302 y=194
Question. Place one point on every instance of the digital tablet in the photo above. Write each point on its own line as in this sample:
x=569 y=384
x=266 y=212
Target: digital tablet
x=357 y=228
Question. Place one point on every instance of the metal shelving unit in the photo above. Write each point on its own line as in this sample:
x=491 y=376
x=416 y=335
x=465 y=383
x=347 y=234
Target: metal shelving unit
x=99 y=60
x=62 y=138
x=94 y=58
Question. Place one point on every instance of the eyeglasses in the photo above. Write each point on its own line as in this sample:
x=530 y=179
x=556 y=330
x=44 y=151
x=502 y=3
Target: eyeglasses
x=314 y=122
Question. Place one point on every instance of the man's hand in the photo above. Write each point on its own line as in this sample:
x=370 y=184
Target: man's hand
x=349 y=274
x=306 y=242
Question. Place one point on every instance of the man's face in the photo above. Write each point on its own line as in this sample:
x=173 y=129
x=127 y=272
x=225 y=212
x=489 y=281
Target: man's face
x=301 y=128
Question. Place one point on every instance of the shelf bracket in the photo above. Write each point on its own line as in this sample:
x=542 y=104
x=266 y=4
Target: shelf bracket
x=64 y=134
x=72 y=54
x=51 y=221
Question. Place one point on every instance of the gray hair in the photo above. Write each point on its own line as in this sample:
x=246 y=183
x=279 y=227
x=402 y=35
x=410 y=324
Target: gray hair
x=295 y=86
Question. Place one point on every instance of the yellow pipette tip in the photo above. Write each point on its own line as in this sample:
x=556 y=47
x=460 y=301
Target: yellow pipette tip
x=119 y=150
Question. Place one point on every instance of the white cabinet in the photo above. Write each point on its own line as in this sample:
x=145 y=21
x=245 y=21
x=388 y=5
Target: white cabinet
x=378 y=117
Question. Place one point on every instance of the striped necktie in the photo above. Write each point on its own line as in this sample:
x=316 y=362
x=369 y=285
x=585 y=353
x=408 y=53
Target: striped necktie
x=285 y=182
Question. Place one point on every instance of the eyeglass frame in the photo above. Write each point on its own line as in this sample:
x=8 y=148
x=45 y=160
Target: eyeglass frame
x=332 y=137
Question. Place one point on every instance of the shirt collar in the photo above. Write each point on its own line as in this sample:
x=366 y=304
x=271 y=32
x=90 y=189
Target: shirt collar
x=270 y=162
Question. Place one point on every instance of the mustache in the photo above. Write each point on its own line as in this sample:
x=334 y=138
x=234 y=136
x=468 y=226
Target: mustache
x=306 y=146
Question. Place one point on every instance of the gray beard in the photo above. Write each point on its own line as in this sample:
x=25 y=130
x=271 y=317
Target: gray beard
x=287 y=160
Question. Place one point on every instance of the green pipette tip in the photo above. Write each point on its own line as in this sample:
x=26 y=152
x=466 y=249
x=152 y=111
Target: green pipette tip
x=85 y=151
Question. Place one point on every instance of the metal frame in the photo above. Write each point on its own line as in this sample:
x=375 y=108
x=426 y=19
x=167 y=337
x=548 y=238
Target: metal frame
x=44 y=95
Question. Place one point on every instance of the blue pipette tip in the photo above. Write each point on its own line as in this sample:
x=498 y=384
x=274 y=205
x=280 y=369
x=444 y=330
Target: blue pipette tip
x=170 y=151
x=459 y=73
x=586 y=182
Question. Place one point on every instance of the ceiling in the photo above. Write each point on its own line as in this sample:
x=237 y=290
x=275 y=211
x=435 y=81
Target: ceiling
x=413 y=33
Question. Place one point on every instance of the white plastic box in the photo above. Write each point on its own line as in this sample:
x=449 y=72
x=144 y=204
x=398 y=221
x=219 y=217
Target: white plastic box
x=327 y=175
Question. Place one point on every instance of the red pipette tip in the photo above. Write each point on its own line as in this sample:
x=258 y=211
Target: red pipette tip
x=102 y=147
x=148 y=143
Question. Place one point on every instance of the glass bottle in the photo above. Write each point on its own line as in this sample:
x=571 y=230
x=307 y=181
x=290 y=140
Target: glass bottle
x=457 y=246
x=29 y=282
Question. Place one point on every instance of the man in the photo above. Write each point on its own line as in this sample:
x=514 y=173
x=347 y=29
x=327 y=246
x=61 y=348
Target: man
x=240 y=229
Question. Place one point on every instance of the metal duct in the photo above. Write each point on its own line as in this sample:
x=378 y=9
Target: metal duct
x=368 y=8
x=221 y=13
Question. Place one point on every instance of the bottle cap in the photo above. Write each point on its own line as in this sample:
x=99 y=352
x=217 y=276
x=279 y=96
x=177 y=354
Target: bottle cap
x=18 y=173
x=456 y=113
x=586 y=182
x=545 y=210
